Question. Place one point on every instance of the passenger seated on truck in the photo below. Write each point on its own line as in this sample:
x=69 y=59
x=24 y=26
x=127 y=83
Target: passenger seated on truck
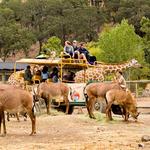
x=92 y=60
x=81 y=52
x=75 y=45
x=28 y=75
x=69 y=77
x=54 y=75
x=44 y=73
x=68 y=50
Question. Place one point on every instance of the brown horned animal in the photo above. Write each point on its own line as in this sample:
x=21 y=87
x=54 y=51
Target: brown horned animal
x=124 y=99
x=14 y=100
x=49 y=91
x=97 y=91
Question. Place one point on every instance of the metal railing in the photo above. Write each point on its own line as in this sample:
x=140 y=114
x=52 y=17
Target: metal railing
x=138 y=86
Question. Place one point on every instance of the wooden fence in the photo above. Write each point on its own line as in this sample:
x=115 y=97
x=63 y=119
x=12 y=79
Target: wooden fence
x=138 y=86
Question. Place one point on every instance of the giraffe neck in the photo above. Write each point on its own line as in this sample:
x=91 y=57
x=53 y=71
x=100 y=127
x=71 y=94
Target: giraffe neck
x=114 y=68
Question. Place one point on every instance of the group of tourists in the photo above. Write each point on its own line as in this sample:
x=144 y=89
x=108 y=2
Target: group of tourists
x=77 y=50
x=40 y=74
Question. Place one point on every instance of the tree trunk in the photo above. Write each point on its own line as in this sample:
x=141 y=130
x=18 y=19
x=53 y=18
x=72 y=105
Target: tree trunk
x=40 y=43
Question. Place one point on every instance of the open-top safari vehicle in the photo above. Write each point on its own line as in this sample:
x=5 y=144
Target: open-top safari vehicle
x=83 y=71
x=76 y=97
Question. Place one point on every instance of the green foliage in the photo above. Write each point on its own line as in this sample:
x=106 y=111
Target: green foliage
x=53 y=44
x=145 y=27
x=6 y=16
x=14 y=38
x=132 y=10
x=94 y=49
x=120 y=44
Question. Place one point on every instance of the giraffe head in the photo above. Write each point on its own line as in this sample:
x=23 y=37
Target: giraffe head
x=134 y=63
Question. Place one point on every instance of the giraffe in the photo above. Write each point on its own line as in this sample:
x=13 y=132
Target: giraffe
x=16 y=79
x=98 y=72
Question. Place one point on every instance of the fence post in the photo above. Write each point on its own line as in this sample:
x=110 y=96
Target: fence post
x=136 y=89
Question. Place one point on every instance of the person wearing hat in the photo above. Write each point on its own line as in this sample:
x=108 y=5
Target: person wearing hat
x=75 y=45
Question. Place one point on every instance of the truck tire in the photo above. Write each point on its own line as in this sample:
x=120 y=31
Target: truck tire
x=71 y=108
x=63 y=109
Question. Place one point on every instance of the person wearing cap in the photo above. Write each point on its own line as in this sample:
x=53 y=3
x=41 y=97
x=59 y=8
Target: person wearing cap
x=68 y=49
x=75 y=45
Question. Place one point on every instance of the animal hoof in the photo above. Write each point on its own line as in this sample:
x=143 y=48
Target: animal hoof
x=32 y=133
x=2 y=135
x=92 y=117
x=125 y=120
x=109 y=119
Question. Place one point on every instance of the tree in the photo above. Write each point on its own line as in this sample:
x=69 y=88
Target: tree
x=13 y=37
x=145 y=27
x=120 y=44
x=133 y=10
x=53 y=44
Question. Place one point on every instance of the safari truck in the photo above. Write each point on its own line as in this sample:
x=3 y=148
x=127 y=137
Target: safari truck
x=84 y=72
x=76 y=96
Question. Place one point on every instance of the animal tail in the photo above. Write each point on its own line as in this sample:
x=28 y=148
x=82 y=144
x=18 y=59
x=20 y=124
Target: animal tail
x=85 y=94
x=33 y=107
x=105 y=98
x=70 y=93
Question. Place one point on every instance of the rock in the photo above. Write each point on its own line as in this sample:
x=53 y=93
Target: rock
x=145 y=138
x=141 y=145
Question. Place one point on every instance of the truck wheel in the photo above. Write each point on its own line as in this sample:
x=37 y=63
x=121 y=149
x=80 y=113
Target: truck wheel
x=100 y=106
x=71 y=108
x=63 y=109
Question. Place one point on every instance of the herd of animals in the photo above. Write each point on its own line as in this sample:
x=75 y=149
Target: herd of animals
x=14 y=99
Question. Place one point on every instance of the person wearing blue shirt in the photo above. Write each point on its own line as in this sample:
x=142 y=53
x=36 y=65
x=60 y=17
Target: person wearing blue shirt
x=44 y=74
x=68 y=49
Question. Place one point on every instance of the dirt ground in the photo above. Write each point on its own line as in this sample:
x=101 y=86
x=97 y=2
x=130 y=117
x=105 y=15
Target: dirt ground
x=78 y=132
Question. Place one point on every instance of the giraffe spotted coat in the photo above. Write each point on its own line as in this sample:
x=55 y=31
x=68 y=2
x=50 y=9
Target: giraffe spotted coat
x=98 y=72
x=16 y=79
